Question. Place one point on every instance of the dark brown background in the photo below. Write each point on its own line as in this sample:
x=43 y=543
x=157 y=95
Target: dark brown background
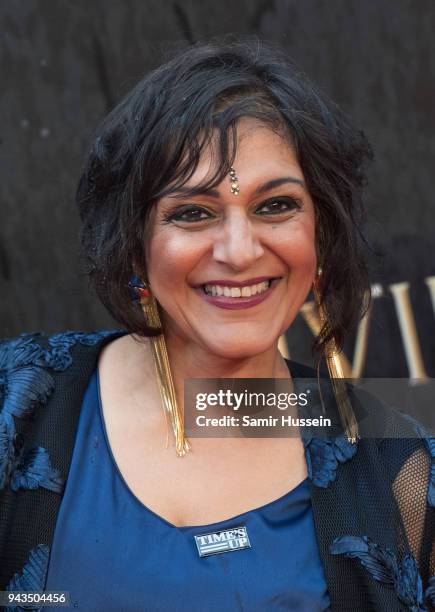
x=64 y=64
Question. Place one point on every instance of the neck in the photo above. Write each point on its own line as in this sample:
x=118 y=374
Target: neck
x=188 y=360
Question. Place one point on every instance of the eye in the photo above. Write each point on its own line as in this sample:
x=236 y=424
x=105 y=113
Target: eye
x=189 y=214
x=277 y=206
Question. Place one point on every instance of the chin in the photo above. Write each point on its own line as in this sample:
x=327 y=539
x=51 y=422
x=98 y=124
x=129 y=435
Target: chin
x=240 y=348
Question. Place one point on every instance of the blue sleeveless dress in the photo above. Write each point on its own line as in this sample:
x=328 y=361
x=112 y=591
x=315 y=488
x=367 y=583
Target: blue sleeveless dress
x=113 y=553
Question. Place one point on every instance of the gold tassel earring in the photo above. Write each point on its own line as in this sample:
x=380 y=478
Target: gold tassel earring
x=141 y=292
x=336 y=374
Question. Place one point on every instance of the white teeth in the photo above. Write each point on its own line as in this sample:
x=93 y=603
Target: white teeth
x=236 y=292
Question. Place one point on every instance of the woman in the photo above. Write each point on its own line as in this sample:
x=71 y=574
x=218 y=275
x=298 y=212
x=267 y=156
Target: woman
x=217 y=194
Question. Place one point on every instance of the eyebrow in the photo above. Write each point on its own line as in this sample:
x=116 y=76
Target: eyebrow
x=182 y=191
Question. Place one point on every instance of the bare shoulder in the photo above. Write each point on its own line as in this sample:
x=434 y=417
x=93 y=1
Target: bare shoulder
x=125 y=352
x=127 y=381
x=127 y=364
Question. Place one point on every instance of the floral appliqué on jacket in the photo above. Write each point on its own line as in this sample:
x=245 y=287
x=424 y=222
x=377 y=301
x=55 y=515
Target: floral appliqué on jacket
x=26 y=385
x=323 y=456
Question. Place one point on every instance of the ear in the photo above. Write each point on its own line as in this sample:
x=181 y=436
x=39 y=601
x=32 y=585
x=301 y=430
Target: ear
x=317 y=284
x=139 y=269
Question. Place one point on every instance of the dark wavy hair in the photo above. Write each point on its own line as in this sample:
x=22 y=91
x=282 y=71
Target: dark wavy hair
x=152 y=142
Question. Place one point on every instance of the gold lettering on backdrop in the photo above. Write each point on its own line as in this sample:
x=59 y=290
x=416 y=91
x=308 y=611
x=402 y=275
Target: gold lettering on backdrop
x=407 y=326
x=430 y=282
x=283 y=347
x=360 y=351
x=408 y=331
x=308 y=311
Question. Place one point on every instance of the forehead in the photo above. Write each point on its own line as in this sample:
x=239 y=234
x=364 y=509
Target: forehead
x=260 y=153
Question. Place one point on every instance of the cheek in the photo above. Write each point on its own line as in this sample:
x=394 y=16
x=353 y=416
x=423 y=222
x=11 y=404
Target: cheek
x=170 y=258
x=297 y=248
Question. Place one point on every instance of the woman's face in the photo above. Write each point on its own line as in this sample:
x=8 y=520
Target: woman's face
x=231 y=271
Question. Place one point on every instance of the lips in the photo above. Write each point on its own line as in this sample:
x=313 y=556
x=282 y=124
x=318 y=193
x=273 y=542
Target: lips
x=237 y=283
x=231 y=296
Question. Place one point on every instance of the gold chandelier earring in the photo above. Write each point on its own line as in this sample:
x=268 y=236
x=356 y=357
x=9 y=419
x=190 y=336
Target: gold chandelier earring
x=140 y=291
x=335 y=371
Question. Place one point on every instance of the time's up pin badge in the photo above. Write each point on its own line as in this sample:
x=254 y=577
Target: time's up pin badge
x=227 y=540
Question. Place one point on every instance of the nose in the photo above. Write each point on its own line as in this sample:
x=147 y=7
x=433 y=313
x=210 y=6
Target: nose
x=237 y=244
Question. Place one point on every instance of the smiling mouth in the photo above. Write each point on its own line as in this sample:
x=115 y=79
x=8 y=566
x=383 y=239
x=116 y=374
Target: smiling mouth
x=238 y=292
